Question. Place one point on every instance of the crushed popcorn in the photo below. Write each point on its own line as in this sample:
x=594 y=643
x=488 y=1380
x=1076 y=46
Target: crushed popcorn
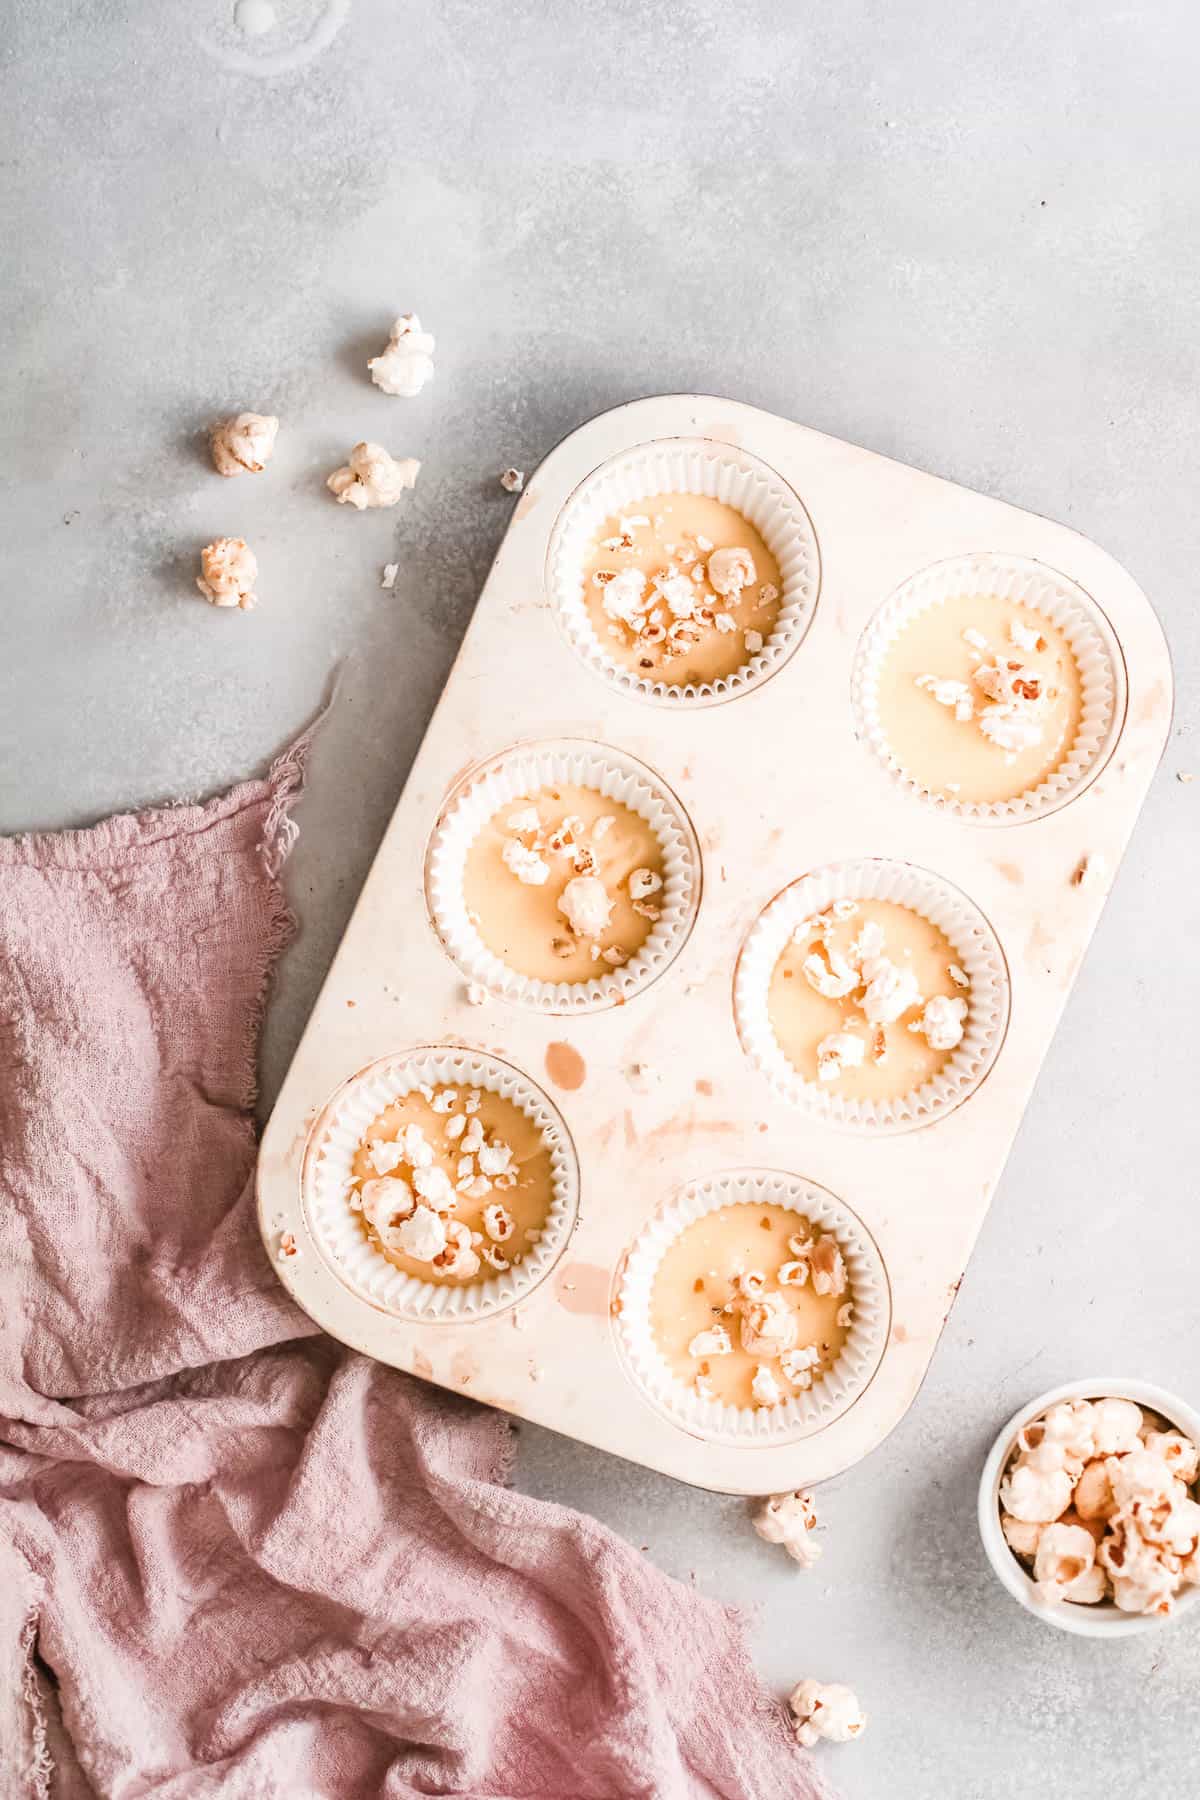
x=512 y=480
x=764 y=1388
x=524 y=863
x=790 y=1520
x=729 y=571
x=839 y=1051
x=768 y=1326
x=228 y=570
x=372 y=477
x=388 y=578
x=942 y=1022
x=585 y=905
x=243 y=445
x=288 y=1249
x=407 y=363
x=643 y=883
x=716 y=1341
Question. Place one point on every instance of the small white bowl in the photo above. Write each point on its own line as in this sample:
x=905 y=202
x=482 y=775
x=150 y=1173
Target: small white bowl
x=1104 y=1620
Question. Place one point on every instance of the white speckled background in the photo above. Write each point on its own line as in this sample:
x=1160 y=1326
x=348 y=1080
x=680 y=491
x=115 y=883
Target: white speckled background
x=966 y=239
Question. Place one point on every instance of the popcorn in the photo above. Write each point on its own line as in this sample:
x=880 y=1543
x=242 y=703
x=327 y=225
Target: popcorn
x=495 y=1158
x=459 y=1256
x=1138 y=1476
x=385 y=1203
x=434 y=1186
x=845 y=1316
x=764 y=1388
x=1009 y=681
x=388 y=578
x=678 y=591
x=831 y=975
x=417 y=1149
x=867 y=945
x=942 y=1021
x=729 y=571
x=1064 y=1554
x=371 y=477
x=751 y=1283
x=422 y=1235
x=585 y=905
x=840 y=1051
x=1022 y=1535
x=1012 y=725
x=288 y=1249
x=797 y=1365
x=1035 y=1496
x=826 y=1710
x=768 y=1326
x=1023 y=638
x=948 y=693
x=958 y=976
x=477 y=994
x=243 y=445
x=890 y=991
x=1176 y=1451
x=228 y=570
x=512 y=480
x=407 y=363
x=643 y=883
x=793 y=1274
x=1116 y=1425
x=624 y=598
x=828 y=1267
x=524 y=821
x=384 y=1157
x=713 y=1342
x=789 y=1519
x=499 y=1223
x=1094 y=1498
x=524 y=863
x=753 y=641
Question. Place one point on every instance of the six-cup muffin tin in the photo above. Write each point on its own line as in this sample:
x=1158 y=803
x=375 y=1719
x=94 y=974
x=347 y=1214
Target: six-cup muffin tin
x=657 y=1094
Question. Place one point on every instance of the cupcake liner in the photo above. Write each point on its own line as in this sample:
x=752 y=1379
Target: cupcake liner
x=338 y=1232
x=803 y=1413
x=976 y=950
x=521 y=771
x=718 y=472
x=1093 y=644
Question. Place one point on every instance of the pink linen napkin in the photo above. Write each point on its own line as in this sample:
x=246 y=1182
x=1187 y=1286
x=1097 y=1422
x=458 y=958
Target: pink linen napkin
x=237 y=1559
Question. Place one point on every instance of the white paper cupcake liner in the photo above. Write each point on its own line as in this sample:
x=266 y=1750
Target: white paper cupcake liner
x=803 y=1413
x=1093 y=644
x=521 y=771
x=718 y=472
x=338 y=1232
x=976 y=950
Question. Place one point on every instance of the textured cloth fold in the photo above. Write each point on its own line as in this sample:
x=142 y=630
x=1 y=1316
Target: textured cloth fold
x=237 y=1559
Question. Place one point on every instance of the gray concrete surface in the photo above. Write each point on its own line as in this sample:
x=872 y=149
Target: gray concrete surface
x=965 y=237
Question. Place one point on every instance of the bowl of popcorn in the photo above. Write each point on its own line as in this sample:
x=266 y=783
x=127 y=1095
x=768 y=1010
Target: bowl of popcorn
x=1088 y=1507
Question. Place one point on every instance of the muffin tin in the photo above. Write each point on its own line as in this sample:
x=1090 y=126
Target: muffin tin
x=654 y=1092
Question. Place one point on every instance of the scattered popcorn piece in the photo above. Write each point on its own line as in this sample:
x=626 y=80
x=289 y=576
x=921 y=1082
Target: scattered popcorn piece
x=768 y=1326
x=845 y=1316
x=729 y=571
x=512 y=480
x=1184 y=775
x=585 y=905
x=958 y=976
x=1022 y=1535
x=385 y=1156
x=751 y=1283
x=1011 y=725
x=625 y=598
x=422 y=1235
x=793 y=1274
x=754 y=642
x=890 y=991
x=954 y=694
x=1089 y=871
x=942 y=1022
x=1093 y=1492
x=768 y=592
x=385 y=1204
x=495 y=1158
x=797 y=1365
x=790 y=1519
x=602 y=826
x=975 y=638
x=839 y=1051
x=831 y=975
x=1023 y=638
x=243 y=445
x=372 y=477
x=456 y=1126
x=713 y=1342
x=1176 y=1451
x=643 y=883
x=289 y=1250
x=826 y=1710
x=459 y=1256
x=828 y=1267
x=764 y=1388
x=524 y=863
x=228 y=570
x=390 y=572
x=476 y=994
x=525 y=820
x=417 y=1149
x=434 y=1186
x=407 y=363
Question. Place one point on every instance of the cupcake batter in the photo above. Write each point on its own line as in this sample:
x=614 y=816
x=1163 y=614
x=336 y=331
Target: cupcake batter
x=530 y=884
x=453 y=1185
x=681 y=589
x=725 y=1264
x=943 y=680
x=867 y=971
